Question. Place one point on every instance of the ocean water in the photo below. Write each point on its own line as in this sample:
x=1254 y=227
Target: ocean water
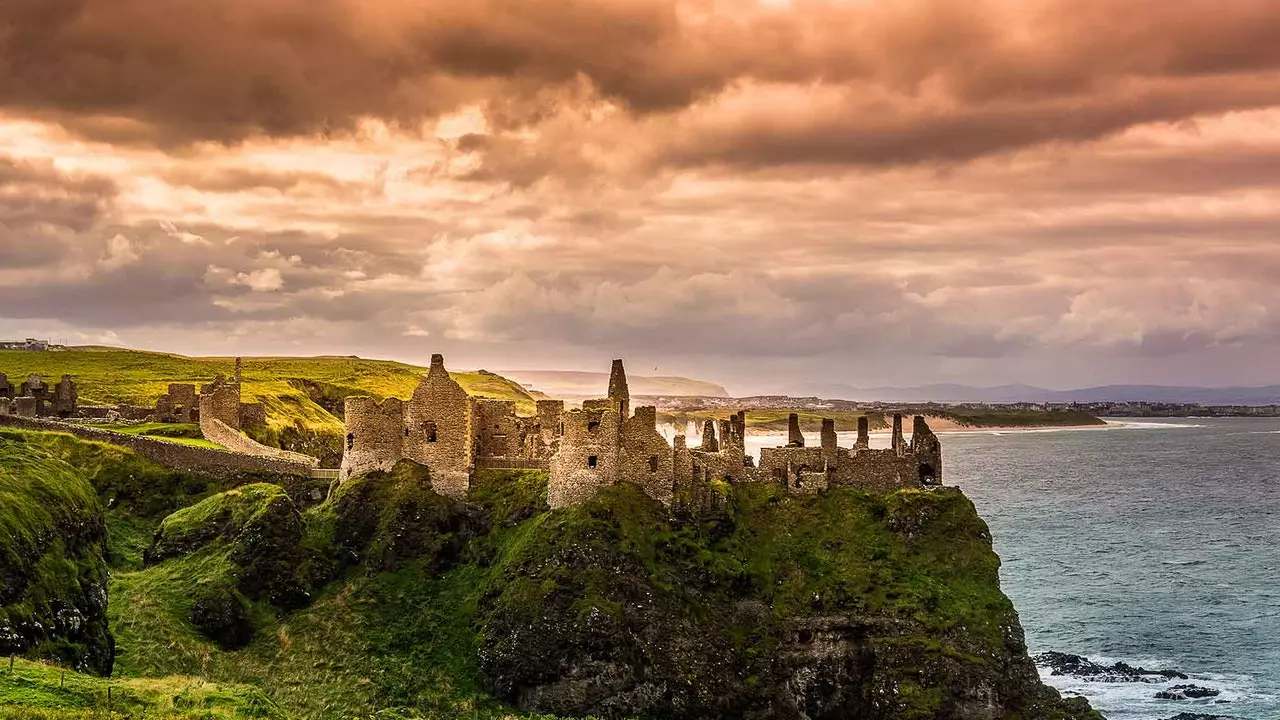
x=1156 y=543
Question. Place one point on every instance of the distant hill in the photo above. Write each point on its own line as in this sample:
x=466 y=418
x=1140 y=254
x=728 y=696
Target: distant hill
x=577 y=385
x=952 y=393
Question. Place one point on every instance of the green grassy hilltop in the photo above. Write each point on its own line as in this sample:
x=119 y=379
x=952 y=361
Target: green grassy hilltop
x=235 y=599
x=303 y=396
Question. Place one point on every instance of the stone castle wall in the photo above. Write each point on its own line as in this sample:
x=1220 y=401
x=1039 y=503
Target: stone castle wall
x=375 y=435
x=602 y=444
x=219 y=463
x=588 y=456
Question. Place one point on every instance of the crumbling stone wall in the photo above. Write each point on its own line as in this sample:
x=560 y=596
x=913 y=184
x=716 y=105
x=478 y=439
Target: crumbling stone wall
x=498 y=433
x=440 y=424
x=64 y=397
x=220 y=400
x=228 y=437
x=179 y=405
x=375 y=435
x=26 y=407
x=252 y=415
x=646 y=458
x=588 y=456
x=4 y=405
x=7 y=390
x=927 y=451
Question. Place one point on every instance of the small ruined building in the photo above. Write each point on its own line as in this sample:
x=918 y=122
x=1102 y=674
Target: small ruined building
x=604 y=443
x=37 y=398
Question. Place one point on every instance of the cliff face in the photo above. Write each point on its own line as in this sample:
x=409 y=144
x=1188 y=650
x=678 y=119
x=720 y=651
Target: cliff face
x=53 y=578
x=842 y=605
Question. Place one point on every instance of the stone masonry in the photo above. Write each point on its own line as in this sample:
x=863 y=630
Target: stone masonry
x=604 y=443
x=37 y=398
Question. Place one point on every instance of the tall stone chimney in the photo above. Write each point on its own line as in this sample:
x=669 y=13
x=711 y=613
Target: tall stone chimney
x=899 y=445
x=864 y=434
x=794 y=437
x=239 y=371
x=618 y=391
x=437 y=363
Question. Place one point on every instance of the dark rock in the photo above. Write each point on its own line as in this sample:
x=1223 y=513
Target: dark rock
x=1187 y=692
x=1198 y=716
x=221 y=614
x=1085 y=669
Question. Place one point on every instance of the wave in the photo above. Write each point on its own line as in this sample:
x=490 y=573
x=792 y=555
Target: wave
x=1184 y=563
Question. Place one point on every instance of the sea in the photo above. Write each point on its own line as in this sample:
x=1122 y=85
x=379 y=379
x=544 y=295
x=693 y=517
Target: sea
x=1152 y=542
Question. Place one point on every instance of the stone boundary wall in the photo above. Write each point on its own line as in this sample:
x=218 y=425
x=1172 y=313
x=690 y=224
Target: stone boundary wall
x=219 y=432
x=218 y=463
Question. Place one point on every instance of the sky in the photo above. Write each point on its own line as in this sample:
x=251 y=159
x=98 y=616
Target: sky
x=761 y=193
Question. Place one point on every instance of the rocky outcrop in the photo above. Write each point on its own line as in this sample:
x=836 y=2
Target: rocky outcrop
x=1085 y=669
x=1187 y=692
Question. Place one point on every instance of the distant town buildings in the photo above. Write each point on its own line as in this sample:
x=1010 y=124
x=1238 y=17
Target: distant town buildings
x=31 y=345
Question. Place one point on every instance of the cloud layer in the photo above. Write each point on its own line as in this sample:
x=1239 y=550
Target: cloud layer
x=871 y=192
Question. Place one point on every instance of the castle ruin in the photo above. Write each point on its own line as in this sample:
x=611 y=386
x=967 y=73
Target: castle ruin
x=604 y=443
x=37 y=398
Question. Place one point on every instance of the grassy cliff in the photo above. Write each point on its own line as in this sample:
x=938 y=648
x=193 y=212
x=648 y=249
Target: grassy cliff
x=391 y=600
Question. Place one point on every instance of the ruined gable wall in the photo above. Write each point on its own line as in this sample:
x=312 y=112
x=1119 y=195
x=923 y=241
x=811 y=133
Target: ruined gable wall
x=646 y=459
x=374 y=435
x=587 y=433
x=498 y=431
x=220 y=400
x=440 y=402
x=7 y=390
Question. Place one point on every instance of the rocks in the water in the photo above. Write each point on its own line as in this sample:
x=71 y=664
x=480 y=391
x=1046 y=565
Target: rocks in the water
x=1198 y=716
x=1187 y=692
x=1085 y=669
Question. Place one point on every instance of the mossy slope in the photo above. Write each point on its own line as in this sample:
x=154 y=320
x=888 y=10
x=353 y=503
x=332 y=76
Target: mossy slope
x=53 y=575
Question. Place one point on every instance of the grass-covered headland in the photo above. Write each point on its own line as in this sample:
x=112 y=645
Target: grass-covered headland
x=388 y=600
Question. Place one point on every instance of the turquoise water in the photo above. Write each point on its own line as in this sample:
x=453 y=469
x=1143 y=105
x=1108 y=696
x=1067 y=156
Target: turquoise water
x=1157 y=544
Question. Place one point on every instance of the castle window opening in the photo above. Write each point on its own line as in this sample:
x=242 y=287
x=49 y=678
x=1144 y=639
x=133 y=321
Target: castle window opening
x=592 y=461
x=351 y=440
x=653 y=463
x=429 y=429
x=593 y=425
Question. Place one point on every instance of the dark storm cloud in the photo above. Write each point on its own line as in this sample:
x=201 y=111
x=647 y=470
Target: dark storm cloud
x=921 y=80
